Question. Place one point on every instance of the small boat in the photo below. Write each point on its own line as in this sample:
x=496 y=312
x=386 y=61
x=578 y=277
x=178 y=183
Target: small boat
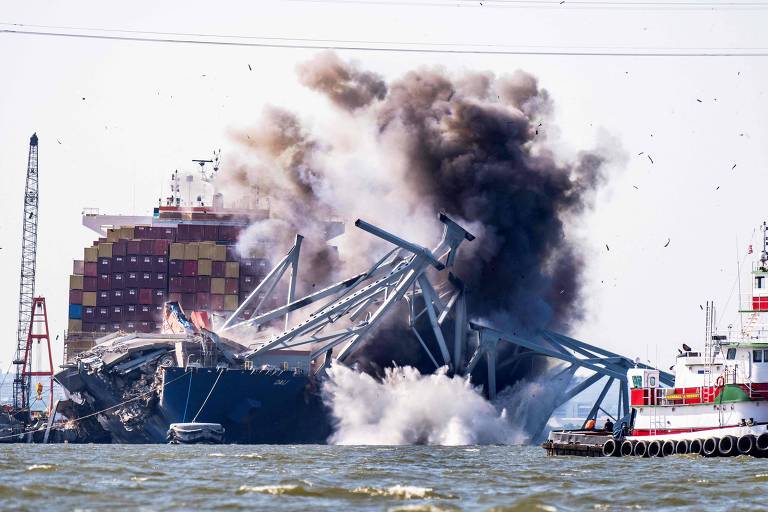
x=718 y=405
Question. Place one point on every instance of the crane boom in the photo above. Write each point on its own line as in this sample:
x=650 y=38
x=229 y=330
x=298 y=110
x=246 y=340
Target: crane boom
x=22 y=381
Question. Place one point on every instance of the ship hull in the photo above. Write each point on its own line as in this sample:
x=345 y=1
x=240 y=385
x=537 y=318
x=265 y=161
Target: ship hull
x=253 y=406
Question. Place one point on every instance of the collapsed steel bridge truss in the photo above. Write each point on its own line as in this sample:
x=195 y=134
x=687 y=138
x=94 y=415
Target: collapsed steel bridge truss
x=332 y=322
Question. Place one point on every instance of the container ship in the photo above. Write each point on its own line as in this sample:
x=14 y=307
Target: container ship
x=124 y=362
x=718 y=403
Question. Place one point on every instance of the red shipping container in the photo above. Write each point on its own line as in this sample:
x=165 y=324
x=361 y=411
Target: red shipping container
x=102 y=314
x=132 y=279
x=202 y=284
x=188 y=284
x=218 y=268
x=182 y=233
x=105 y=265
x=231 y=285
x=89 y=314
x=131 y=296
x=146 y=327
x=190 y=268
x=118 y=264
x=132 y=263
x=90 y=269
x=160 y=247
x=89 y=283
x=141 y=231
x=216 y=302
x=169 y=234
x=196 y=232
x=103 y=298
x=133 y=248
x=145 y=296
x=116 y=314
x=175 y=284
x=228 y=233
x=75 y=296
x=174 y=297
x=146 y=262
x=120 y=248
x=104 y=282
x=210 y=232
x=176 y=268
x=116 y=298
x=146 y=246
x=118 y=281
x=130 y=312
x=158 y=297
x=188 y=301
x=203 y=301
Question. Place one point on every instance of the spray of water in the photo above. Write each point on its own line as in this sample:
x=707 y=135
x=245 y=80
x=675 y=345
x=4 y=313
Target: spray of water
x=406 y=408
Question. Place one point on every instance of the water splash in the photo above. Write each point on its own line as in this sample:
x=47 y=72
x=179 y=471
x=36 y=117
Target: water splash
x=407 y=408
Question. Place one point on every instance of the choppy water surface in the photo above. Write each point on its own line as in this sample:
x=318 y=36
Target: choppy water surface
x=56 y=477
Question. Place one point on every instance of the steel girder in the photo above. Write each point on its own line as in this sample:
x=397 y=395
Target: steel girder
x=353 y=308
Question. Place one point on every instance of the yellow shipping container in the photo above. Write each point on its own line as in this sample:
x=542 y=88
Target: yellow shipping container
x=126 y=232
x=91 y=254
x=219 y=253
x=230 y=302
x=105 y=250
x=232 y=269
x=205 y=250
x=190 y=251
x=113 y=235
x=75 y=325
x=89 y=298
x=177 y=252
x=218 y=285
x=75 y=282
x=204 y=267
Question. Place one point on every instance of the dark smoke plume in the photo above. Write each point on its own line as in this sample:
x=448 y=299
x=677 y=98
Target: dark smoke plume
x=472 y=146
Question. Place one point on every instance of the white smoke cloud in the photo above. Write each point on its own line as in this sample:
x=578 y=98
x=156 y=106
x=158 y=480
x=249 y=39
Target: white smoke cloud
x=407 y=408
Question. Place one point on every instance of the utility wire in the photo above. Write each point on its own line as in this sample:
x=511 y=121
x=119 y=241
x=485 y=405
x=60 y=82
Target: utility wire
x=406 y=47
x=555 y=4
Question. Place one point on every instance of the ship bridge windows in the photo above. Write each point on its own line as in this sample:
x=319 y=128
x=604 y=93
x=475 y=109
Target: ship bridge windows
x=760 y=282
x=731 y=354
x=760 y=356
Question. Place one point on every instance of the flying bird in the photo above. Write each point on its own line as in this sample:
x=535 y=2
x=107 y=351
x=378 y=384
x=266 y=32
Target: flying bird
x=607 y=248
x=649 y=158
x=667 y=244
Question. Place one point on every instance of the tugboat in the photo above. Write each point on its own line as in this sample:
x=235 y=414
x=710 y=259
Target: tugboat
x=718 y=405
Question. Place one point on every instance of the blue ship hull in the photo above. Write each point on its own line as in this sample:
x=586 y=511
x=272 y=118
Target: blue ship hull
x=253 y=406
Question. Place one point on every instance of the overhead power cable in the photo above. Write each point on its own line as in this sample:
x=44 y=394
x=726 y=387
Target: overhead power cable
x=554 y=4
x=388 y=46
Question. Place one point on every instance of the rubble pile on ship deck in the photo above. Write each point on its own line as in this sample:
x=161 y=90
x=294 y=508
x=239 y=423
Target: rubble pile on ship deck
x=126 y=370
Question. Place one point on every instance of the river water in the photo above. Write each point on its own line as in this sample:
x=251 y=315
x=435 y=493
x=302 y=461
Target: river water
x=429 y=478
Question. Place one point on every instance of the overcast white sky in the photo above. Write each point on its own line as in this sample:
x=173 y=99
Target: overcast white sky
x=151 y=108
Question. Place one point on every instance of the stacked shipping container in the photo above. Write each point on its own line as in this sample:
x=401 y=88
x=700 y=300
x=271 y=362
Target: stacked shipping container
x=123 y=281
